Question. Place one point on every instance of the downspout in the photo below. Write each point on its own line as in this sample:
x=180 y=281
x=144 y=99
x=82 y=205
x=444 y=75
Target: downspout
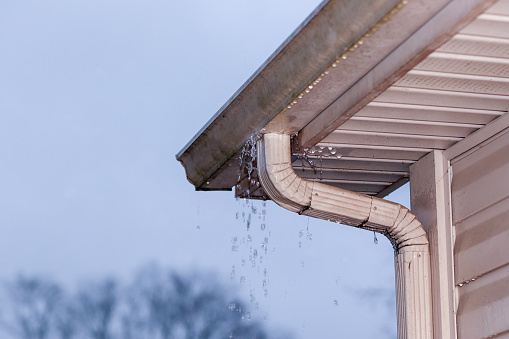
x=404 y=230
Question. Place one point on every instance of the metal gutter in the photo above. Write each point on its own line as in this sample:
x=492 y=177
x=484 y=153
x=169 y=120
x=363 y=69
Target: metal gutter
x=323 y=37
x=404 y=230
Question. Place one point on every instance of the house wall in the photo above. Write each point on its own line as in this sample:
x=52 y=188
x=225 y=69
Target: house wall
x=461 y=196
x=480 y=217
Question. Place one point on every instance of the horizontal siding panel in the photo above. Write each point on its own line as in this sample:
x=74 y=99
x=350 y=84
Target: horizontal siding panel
x=428 y=113
x=477 y=45
x=455 y=82
x=375 y=154
x=361 y=188
x=491 y=25
x=432 y=97
x=482 y=242
x=390 y=139
x=463 y=64
x=484 y=306
x=480 y=179
x=409 y=127
x=349 y=175
x=501 y=7
x=357 y=165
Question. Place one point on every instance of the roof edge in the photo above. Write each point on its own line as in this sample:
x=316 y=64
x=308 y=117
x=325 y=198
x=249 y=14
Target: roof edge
x=327 y=33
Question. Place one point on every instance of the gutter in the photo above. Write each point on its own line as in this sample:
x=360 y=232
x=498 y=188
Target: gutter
x=396 y=222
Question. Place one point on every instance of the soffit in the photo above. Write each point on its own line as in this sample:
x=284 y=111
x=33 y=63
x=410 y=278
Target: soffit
x=453 y=92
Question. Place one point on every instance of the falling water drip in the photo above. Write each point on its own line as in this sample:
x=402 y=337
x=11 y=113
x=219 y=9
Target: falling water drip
x=375 y=240
x=253 y=216
x=309 y=235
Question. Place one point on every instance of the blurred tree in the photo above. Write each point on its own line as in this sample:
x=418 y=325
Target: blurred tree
x=33 y=308
x=95 y=307
x=164 y=304
x=65 y=319
x=158 y=304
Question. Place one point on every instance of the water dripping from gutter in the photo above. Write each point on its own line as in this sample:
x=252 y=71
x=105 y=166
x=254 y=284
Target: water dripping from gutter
x=252 y=245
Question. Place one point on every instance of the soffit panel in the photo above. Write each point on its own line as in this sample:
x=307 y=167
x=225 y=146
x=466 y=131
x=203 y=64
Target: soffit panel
x=452 y=93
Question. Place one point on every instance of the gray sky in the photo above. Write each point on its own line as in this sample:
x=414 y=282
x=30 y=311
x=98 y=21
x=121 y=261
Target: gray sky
x=97 y=97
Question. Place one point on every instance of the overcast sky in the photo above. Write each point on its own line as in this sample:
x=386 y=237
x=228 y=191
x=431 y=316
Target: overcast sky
x=97 y=97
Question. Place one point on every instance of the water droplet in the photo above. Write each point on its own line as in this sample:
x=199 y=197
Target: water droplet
x=336 y=303
x=248 y=221
x=232 y=273
x=249 y=238
x=198 y=227
x=262 y=227
x=301 y=233
x=460 y=284
x=310 y=236
x=300 y=244
x=242 y=279
x=375 y=239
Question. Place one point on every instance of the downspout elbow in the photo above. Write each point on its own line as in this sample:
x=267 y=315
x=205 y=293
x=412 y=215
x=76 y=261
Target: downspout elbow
x=401 y=226
x=286 y=188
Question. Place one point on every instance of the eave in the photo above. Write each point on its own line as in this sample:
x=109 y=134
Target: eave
x=390 y=81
